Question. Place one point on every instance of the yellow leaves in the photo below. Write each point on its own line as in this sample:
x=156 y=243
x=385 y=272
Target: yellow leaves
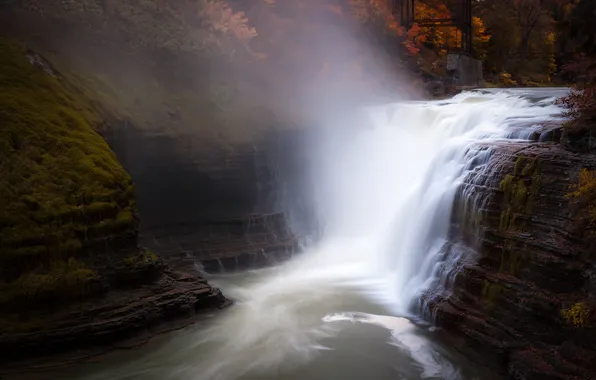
x=577 y=314
x=479 y=31
x=378 y=14
x=442 y=38
x=506 y=79
x=586 y=188
x=584 y=192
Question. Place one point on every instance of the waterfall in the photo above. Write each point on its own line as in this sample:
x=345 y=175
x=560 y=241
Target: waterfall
x=388 y=198
x=385 y=196
x=395 y=185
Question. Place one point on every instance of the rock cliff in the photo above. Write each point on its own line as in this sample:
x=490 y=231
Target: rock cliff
x=524 y=300
x=215 y=170
x=225 y=208
x=71 y=271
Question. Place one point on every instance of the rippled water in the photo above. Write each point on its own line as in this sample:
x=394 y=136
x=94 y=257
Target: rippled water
x=337 y=334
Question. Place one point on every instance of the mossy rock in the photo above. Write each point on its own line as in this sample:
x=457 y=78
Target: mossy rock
x=521 y=190
x=62 y=190
x=141 y=267
x=143 y=257
x=63 y=281
x=491 y=293
x=512 y=258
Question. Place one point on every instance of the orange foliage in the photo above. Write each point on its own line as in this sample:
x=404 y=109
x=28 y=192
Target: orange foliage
x=378 y=14
x=443 y=39
x=220 y=20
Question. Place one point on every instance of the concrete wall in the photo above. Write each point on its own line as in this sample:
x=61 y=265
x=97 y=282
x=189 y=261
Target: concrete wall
x=465 y=70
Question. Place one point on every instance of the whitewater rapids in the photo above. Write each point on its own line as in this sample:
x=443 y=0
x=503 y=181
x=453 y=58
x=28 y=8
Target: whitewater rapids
x=341 y=310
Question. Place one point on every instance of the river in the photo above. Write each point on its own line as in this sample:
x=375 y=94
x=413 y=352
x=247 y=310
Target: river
x=343 y=308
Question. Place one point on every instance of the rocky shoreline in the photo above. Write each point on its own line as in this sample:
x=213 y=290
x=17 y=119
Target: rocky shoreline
x=122 y=319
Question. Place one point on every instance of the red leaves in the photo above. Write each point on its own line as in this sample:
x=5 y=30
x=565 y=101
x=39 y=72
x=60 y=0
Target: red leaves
x=411 y=47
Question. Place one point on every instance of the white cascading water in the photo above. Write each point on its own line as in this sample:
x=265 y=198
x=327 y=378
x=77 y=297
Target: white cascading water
x=386 y=201
x=386 y=198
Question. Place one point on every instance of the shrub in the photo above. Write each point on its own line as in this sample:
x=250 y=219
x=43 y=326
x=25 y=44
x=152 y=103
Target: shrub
x=576 y=314
x=584 y=193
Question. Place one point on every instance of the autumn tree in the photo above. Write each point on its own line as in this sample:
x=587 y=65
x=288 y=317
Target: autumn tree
x=177 y=25
x=223 y=26
x=532 y=18
x=522 y=39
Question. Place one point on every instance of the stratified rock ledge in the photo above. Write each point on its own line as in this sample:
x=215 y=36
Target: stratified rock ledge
x=121 y=319
x=525 y=304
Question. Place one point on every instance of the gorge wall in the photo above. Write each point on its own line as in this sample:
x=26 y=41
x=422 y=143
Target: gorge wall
x=215 y=175
x=100 y=242
x=230 y=208
x=73 y=275
x=525 y=302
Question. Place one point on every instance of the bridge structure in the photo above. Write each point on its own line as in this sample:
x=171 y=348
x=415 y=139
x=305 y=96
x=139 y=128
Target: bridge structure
x=464 y=69
x=460 y=19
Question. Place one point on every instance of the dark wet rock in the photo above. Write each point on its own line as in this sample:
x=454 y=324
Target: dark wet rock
x=525 y=303
x=102 y=324
x=225 y=208
x=248 y=242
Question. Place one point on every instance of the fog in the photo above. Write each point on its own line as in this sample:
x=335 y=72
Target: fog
x=380 y=171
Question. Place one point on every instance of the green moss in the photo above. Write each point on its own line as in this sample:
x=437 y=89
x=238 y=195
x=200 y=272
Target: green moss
x=511 y=260
x=576 y=314
x=59 y=179
x=62 y=279
x=519 y=164
x=491 y=292
x=521 y=189
x=142 y=258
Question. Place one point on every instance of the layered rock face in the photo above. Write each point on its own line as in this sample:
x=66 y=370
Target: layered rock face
x=70 y=232
x=228 y=209
x=71 y=272
x=524 y=299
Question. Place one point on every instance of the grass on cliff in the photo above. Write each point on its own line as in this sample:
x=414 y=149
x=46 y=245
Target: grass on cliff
x=61 y=185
